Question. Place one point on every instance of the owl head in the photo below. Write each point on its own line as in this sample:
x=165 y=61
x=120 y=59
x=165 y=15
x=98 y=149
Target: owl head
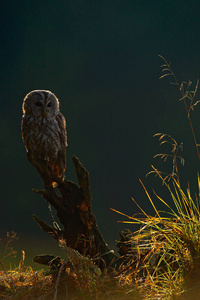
x=41 y=103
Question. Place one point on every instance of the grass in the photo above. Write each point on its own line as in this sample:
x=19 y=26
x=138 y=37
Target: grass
x=167 y=248
x=24 y=284
x=76 y=278
x=163 y=256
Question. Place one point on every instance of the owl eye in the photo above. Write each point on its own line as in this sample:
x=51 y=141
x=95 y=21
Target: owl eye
x=38 y=103
x=49 y=104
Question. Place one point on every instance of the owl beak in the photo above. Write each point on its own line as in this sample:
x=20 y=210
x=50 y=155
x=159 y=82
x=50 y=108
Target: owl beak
x=44 y=112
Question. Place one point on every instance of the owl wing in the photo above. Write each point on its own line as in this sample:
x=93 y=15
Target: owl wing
x=62 y=126
x=60 y=163
x=25 y=129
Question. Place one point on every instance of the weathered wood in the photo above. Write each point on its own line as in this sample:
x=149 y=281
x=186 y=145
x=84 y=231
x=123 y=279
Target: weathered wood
x=48 y=260
x=74 y=211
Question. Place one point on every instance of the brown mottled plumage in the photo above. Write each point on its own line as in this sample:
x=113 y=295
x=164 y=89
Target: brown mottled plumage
x=44 y=135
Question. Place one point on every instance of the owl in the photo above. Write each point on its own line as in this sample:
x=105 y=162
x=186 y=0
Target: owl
x=44 y=135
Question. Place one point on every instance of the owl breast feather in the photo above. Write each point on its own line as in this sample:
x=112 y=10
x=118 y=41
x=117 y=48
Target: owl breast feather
x=43 y=136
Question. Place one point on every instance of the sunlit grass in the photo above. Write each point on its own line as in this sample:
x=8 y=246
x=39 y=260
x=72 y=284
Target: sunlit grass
x=24 y=284
x=167 y=246
x=74 y=284
x=76 y=278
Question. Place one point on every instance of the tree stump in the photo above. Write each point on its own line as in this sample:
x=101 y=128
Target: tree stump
x=74 y=211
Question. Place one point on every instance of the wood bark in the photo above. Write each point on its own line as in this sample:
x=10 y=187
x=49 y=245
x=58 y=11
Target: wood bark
x=73 y=205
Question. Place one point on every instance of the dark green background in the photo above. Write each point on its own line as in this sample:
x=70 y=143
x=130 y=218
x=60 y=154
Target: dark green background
x=101 y=60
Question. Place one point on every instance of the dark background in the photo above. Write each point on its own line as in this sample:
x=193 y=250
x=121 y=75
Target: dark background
x=101 y=60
